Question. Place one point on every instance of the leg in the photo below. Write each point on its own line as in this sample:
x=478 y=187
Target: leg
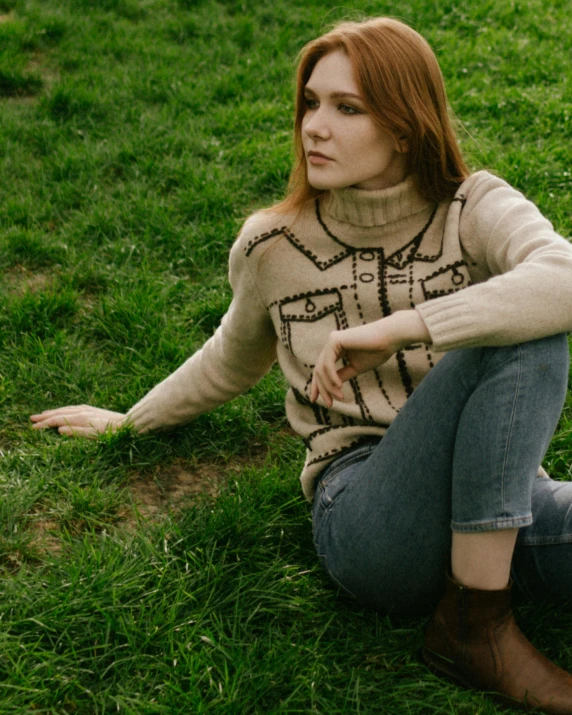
x=483 y=560
x=481 y=556
x=473 y=636
x=465 y=448
x=542 y=563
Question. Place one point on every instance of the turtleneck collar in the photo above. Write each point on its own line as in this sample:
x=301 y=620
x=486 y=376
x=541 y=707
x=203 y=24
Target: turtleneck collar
x=374 y=208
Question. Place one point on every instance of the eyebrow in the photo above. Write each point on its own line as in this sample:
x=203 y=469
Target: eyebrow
x=335 y=95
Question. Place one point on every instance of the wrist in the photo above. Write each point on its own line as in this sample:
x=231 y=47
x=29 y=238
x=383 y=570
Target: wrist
x=408 y=327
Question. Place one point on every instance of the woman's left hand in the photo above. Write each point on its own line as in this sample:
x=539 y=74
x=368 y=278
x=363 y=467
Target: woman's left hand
x=363 y=348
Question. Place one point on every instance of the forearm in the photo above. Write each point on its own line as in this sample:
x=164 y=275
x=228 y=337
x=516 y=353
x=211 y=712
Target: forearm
x=219 y=372
x=407 y=328
x=521 y=271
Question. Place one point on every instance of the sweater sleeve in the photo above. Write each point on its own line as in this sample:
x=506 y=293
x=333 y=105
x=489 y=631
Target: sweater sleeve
x=237 y=356
x=527 y=267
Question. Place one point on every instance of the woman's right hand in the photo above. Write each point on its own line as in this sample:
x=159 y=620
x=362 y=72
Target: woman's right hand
x=79 y=420
x=363 y=347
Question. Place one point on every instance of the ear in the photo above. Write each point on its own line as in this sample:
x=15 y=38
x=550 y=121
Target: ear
x=402 y=144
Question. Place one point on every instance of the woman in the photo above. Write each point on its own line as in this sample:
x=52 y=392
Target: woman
x=423 y=468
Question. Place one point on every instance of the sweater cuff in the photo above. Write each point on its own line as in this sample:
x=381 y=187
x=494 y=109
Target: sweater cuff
x=140 y=418
x=450 y=322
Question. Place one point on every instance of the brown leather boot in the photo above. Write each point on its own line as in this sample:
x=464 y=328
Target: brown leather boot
x=474 y=639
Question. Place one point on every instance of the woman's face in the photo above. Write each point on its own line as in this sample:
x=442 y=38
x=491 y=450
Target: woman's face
x=342 y=143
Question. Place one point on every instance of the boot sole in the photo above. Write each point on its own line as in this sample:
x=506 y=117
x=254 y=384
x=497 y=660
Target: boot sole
x=440 y=666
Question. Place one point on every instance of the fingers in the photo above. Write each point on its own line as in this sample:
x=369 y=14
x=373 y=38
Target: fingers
x=70 y=409
x=326 y=381
x=61 y=417
x=314 y=390
x=87 y=432
x=347 y=373
x=78 y=420
x=320 y=389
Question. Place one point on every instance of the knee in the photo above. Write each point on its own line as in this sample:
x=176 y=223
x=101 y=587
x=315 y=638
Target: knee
x=550 y=357
x=553 y=346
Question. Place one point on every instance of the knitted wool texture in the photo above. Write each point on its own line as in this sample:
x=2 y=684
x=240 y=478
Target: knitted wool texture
x=485 y=268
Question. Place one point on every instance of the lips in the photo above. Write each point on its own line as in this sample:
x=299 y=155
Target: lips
x=316 y=157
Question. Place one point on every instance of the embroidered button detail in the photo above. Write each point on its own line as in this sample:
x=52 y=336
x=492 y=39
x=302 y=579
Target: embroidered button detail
x=310 y=306
x=366 y=277
x=457 y=278
x=367 y=255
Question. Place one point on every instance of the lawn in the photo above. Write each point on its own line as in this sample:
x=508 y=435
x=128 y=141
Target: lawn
x=175 y=573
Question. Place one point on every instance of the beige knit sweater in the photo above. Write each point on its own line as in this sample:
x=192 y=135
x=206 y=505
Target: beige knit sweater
x=483 y=269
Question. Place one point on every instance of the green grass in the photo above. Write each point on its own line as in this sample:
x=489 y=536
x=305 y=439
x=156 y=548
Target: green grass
x=135 y=136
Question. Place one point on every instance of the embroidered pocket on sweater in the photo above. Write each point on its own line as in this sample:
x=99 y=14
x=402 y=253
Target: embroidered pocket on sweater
x=307 y=320
x=448 y=279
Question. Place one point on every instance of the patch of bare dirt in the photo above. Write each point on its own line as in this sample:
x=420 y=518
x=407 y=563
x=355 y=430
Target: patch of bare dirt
x=44 y=539
x=166 y=491
x=21 y=280
x=7 y=17
x=169 y=489
x=39 y=65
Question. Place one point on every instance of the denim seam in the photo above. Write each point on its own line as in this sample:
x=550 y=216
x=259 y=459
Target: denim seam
x=326 y=566
x=324 y=522
x=545 y=540
x=511 y=424
x=340 y=468
x=511 y=522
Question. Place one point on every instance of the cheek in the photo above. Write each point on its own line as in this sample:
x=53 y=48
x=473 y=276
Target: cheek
x=354 y=141
x=364 y=139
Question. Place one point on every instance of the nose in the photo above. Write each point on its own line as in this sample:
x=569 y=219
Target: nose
x=315 y=124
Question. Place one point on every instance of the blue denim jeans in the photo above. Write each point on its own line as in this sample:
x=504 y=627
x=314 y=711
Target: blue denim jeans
x=462 y=455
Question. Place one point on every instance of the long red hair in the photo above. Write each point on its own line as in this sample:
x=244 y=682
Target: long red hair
x=402 y=87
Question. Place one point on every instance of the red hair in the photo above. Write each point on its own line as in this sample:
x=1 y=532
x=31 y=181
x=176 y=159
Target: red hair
x=402 y=87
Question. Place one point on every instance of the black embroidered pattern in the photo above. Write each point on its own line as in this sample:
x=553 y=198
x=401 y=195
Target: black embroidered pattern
x=411 y=282
x=298 y=296
x=410 y=252
x=286 y=329
x=459 y=280
x=400 y=260
x=294 y=241
x=383 y=390
x=396 y=259
x=354 y=286
x=320 y=414
x=257 y=240
x=364 y=409
x=436 y=256
x=374 y=273
x=382 y=287
x=429 y=356
x=322 y=265
x=444 y=269
x=326 y=229
x=404 y=373
x=340 y=450
x=324 y=430
x=311 y=311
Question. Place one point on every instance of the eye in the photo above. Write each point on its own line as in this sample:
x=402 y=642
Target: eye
x=311 y=103
x=348 y=109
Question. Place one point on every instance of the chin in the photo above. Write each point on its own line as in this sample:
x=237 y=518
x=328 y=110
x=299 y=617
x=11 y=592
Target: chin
x=320 y=185
x=323 y=184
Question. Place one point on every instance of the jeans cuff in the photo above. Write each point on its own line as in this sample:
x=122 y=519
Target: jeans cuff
x=507 y=522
